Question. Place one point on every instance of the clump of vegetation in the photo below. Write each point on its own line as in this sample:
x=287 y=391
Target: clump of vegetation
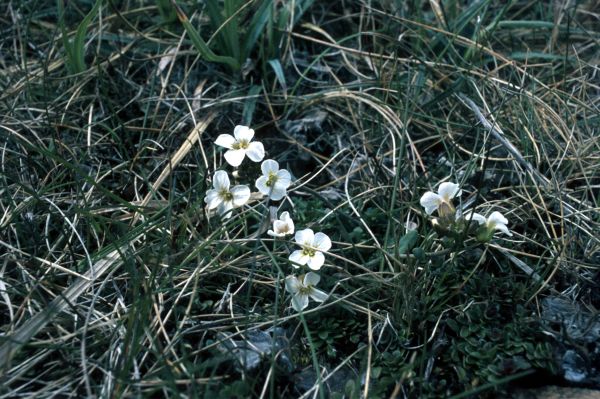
x=289 y=199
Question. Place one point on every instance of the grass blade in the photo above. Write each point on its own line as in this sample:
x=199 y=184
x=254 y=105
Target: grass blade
x=79 y=42
x=75 y=50
x=200 y=45
x=250 y=104
x=65 y=36
x=231 y=29
x=277 y=68
x=257 y=25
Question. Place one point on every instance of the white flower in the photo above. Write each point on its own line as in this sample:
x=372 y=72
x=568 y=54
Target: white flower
x=496 y=221
x=224 y=199
x=446 y=192
x=312 y=244
x=240 y=146
x=273 y=182
x=302 y=288
x=283 y=226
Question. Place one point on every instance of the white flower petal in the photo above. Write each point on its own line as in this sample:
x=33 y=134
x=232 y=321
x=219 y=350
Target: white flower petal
x=243 y=133
x=273 y=234
x=430 y=201
x=269 y=166
x=476 y=217
x=235 y=157
x=448 y=190
x=292 y=284
x=279 y=226
x=496 y=218
x=255 y=151
x=305 y=237
x=224 y=209
x=221 y=180
x=311 y=278
x=284 y=178
x=318 y=295
x=322 y=242
x=497 y=221
x=285 y=216
x=316 y=261
x=298 y=258
x=277 y=193
x=282 y=228
x=299 y=302
x=241 y=195
x=212 y=199
x=503 y=228
x=225 y=140
x=261 y=185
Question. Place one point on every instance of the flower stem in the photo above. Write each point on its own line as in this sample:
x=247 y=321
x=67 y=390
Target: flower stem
x=313 y=355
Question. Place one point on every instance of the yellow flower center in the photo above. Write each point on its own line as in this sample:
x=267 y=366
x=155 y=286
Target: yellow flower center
x=272 y=179
x=305 y=290
x=242 y=144
x=308 y=251
x=225 y=195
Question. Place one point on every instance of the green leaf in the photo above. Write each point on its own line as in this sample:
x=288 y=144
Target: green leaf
x=407 y=242
x=453 y=325
x=350 y=388
x=276 y=65
x=419 y=253
x=250 y=104
x=464 y=332
x=376 y=372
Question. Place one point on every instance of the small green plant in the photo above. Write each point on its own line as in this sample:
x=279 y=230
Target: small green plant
x=485 y=348
x=265 y=19
x=335 y=332
x=457 y=223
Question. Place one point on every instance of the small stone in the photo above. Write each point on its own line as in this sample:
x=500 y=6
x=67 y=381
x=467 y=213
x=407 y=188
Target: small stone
x=573 y=366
